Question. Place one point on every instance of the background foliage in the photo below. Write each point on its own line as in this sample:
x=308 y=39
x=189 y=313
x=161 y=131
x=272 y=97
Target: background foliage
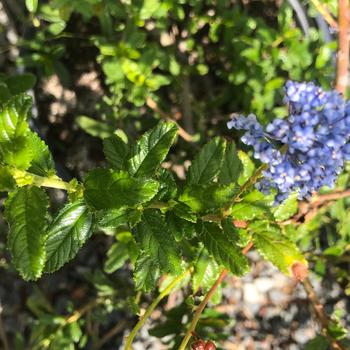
x=101 y=73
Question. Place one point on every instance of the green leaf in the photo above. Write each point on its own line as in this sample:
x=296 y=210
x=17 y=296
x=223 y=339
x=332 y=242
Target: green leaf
x=200 y=198
x=41 y=159
x=116 y=257
x=287 y=209
x=151 y=149
x=146 y=273
x=113 y=218
x=275 y=247
x=206 y=272
x=20 y=83
x=207 y=163
x=180 y=228
x=183 y=211
x=7 y=182
x=318 y=343
x=107 y=189
x=156 y=240
x=223 y=248
x=248 y=167
x=254 y=204
x=26 y=213
x=116 y=151
x=31 y=5
x=13 y=118
x=231 y=166
x=94 y=127
x=67 y=233
x=167 y=186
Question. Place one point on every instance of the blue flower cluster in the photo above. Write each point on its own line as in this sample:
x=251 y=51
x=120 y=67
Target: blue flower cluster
x=306 y=150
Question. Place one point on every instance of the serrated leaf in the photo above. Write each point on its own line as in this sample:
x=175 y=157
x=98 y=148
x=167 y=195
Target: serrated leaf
x=231 y=165
x=205 y=198
x=183 y=211
x=167 y=186
x=67 y=233
x=248 y=167
x=116 y=151
x=116 y=257
x=107 y=189
x=26 y=213
x=206 y=272
x=17 y=153
x=113 y=218
x=7 y=182
x=41 y=159
x=151 y=149
x=275 y=247
x=207 y=163
x=146 y=273
x=180 y=228
x=13 y=118
x=287 y=209
x=223 y=248
x=156 y=240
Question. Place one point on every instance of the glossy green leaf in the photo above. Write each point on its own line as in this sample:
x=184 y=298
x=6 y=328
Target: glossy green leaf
x=151 y=149
x=116 y=151
x=206 y=272
x=67 y=233
x=146 y=273
x=287 y=209
x=231 y=165
x=107 y=189
x=26 y=213
x=13 y=118
x=247 y=167
x=223 y=248
x=204 y=198
x=207 y=163
x=113 y=218
x=7 y=182
x=41 y=162
x=275 y=247
x=156 y=240
x=116 y=257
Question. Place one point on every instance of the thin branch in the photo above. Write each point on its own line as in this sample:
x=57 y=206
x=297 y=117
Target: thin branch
x=151 y=308
x=205 y=301
x=111 y=333
x=343 y=46
x=182 y=132
x=323 y=10
x=321 y=314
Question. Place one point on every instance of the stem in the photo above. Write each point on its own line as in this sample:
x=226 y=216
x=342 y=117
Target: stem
x=343 y=46
x=251 y=181
x=200 y=310
x=151 y=308
x=322 y=9
x=320 y=314
x=205 y=301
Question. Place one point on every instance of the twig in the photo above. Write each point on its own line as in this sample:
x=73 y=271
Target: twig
x=111 y=333
x=182 y=132
x=343 y=46
x=322 y=9
x=151 y=308
x=3 y=333
x=205 y=301
x=320 y=314
x=307 y=210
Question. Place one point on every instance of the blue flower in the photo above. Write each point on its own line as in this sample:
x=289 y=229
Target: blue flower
x=306 y=150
